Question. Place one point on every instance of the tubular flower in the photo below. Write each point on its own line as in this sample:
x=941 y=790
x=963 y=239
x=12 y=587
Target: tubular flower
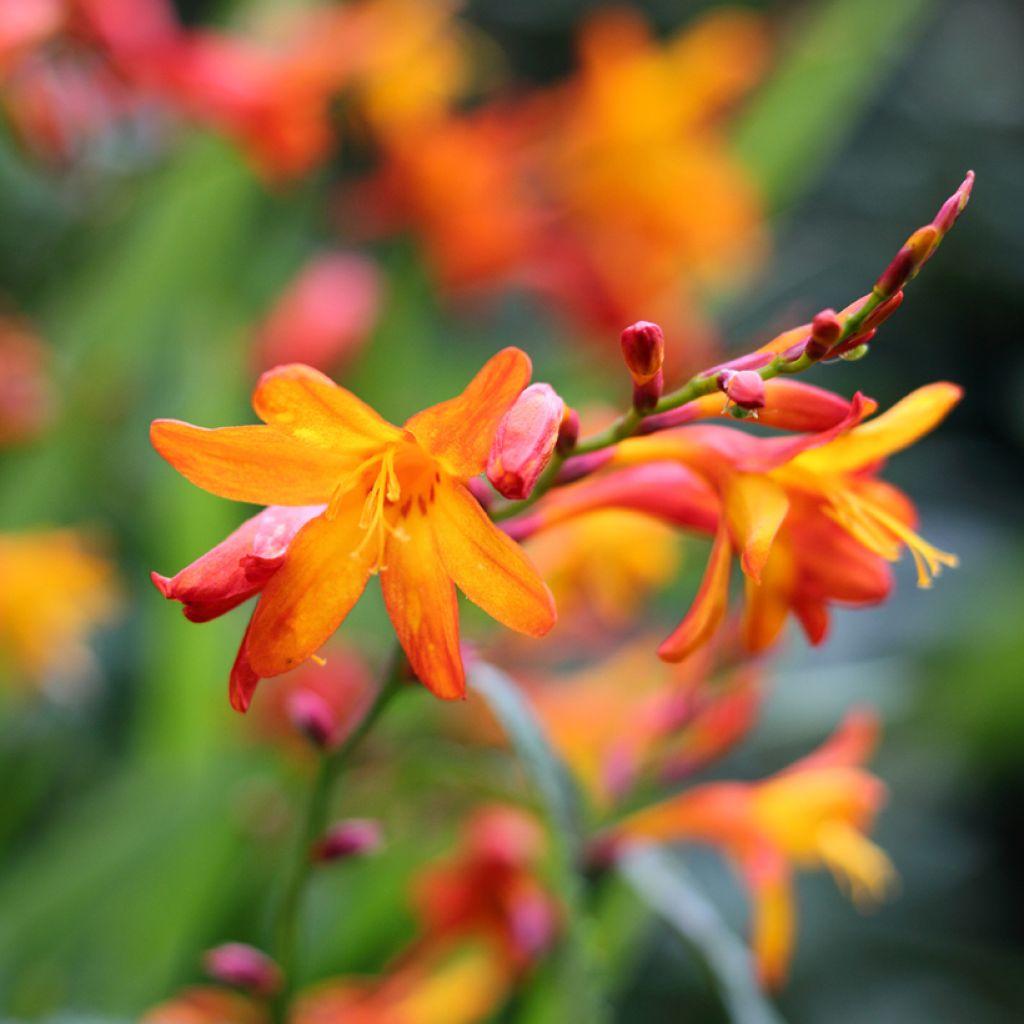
x=644 y=718
x=397 y=505
x=812 y=814
x=807 y=516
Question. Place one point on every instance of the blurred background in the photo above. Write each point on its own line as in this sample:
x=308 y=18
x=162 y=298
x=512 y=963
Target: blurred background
x=393 y=199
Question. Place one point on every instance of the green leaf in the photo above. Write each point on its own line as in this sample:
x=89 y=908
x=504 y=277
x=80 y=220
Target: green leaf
x=582 y=989
x=662 y=882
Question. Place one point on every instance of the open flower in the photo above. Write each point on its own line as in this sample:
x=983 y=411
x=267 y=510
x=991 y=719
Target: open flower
x=814 y=813
x=397 y=505
x=809 y=519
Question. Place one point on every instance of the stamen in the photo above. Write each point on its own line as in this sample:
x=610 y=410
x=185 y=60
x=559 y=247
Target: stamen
x=860 y=868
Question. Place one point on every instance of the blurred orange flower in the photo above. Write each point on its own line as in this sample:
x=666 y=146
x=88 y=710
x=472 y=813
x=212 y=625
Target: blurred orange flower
x=54 y=591
x=397 y=505
x=813 y=813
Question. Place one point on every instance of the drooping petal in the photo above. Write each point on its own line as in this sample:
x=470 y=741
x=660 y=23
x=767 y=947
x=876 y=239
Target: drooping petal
x=768 y=604
x=773 y=929
x=253 y=464
x=755 y=506
x=907 y=421
x=459 y=432
x=488 y=567
x=323 y=574
x=421 y=603
x=243 y=680
x=709 y=606
x=308 y=406
x=239 y=566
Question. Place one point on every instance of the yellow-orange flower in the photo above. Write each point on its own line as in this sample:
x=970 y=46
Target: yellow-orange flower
x=396 y=504
x=814 y=813
x=54 y=590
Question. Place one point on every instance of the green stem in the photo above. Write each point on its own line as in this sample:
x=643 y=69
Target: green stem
x=314 y=821
x=702 y=384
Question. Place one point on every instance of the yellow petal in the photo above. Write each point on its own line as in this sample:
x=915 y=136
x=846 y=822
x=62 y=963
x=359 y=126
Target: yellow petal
x=421 y=604
x=308 y=406
x=459 y=432
x=755 y=506
x=254 y=464
x=488 y=567
x=709 y=606
x=897 y=428
x=323 y=574
x=774 y=924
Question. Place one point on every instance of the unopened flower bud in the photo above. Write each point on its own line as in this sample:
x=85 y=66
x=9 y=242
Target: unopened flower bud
x=353 y=838
x=825 y=330
x=908 y=261
x=525 y=441
x=954 y=205
x=313 y=717
x=744 y=388
x=643 y=348
x=647 y=394
x=568 y=431
x=244 y=967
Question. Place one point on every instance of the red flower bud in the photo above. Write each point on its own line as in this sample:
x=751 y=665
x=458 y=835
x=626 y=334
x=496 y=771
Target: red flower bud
x=825 y=330
x=647 y=394
x=353 y=838
x=313 y=717
x=240 y=965
x=643 y=348
x=525 y=441
x=745 y=388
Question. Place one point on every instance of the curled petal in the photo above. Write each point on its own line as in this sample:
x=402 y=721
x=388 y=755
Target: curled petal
x=709 y=606
x=907 y=421
x=459 y=432
x=239 y=566
x=755 y=507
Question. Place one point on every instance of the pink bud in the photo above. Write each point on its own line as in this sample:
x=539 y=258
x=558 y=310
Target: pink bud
x=745 y=388
x=525 y=441
x=643 y=348
x=908 y=261
x=353 y=838
x=240 y=965
x=954 y=205
x=313 y=717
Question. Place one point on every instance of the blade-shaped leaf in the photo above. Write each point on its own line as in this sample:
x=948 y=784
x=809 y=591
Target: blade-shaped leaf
x=665 y=885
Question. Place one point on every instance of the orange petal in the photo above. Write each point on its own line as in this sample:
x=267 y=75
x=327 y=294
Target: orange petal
x=489 y=568
x=765 y=613
x=774 y=925
x=307 y=405
x=254 y=464
x=459 y=432
x=755 y=507
x=897 y=428
x=306 y=600
x=709 y=606
x=421 y=604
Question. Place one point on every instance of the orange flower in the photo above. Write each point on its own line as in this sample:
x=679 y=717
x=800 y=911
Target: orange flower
x=809 y=519
x=53 y=592
x=396 y=504
x=643 y=718
x=814 y=813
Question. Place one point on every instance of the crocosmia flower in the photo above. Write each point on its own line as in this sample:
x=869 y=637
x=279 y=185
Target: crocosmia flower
x=397 y=505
